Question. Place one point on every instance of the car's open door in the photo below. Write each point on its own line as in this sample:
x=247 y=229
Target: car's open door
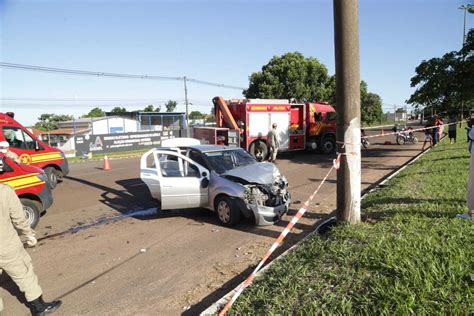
x=149 y=173
x=183 y=183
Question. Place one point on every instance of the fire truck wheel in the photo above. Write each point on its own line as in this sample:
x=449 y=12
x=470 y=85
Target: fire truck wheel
x=259 y=150
x=227 y=212
x=32 y=211
x=52 y=177
x=328 y=145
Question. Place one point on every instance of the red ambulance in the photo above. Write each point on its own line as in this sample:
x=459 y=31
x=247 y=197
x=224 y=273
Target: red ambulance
x=31 y=150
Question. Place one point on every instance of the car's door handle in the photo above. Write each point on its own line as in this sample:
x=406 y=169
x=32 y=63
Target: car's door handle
x=146 y=174
x=167 y=186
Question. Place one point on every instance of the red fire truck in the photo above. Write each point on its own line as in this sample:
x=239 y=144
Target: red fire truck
x=29 y=184
x=299 y=125
x=32 y=151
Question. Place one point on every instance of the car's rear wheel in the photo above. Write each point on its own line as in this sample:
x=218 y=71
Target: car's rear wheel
x=32 y=211
x=226 y=211
x=52 y=175
x=259 y=150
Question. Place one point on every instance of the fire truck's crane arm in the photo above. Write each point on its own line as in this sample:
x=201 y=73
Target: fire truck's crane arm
x=223 y=113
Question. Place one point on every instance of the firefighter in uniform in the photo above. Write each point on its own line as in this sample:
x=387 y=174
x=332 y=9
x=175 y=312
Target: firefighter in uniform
x=273 y=143
x=14 y=260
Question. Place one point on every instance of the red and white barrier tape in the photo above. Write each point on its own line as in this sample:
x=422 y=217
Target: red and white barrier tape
x=410 y=130
x=279 y=240
x=396 y=133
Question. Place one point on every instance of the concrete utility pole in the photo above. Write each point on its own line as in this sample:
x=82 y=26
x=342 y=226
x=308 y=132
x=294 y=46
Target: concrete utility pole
x=467 y=8
x=186 y=102
x=346 y=42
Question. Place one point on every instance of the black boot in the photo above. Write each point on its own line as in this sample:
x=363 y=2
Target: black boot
x=39 y=307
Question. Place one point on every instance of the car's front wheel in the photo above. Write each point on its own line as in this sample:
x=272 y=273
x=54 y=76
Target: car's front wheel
x=32 y=211
x=400 y=140
x=52 y=175
x=227 y=213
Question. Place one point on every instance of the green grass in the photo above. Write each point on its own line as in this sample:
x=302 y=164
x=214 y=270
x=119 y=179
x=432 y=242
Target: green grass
x=122 y=154
x=410 y=255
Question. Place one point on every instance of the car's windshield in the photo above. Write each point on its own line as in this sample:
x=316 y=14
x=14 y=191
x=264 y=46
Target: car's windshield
x=222 y=161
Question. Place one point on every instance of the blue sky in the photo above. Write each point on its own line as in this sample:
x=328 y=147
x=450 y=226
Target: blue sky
x=218 y=41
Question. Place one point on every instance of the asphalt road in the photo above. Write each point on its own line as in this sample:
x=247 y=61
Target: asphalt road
x=99 y=259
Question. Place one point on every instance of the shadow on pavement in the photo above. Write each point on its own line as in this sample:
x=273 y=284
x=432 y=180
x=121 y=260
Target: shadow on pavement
x=135 y=197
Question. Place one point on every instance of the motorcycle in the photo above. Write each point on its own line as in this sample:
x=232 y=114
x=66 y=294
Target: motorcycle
x=406 y=135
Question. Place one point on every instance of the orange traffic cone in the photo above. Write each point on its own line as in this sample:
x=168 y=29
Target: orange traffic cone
x=106 y=163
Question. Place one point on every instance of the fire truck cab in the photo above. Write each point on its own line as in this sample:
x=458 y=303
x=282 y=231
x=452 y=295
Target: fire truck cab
x=31 y=150
x=299 y=125
x=30 y=184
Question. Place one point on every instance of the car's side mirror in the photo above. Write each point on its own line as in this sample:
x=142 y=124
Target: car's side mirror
x=204 y=183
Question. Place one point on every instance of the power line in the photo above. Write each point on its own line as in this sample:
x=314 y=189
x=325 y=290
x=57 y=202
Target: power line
x=111 y=74
x=46 y=99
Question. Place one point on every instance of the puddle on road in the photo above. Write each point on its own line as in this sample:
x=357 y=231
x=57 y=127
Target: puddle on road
x=105 y=221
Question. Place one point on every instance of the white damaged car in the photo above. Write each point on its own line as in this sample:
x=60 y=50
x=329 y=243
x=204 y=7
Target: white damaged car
x=226 y=180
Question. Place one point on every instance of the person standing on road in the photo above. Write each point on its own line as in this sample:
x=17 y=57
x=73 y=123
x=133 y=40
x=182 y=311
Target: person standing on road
x=435 y=130
x=14 y=259
x=452 y=129
x=273 y=143
x=428 y=137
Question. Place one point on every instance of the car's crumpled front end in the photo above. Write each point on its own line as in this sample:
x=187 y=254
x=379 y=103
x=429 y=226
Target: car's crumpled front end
x=266 y=192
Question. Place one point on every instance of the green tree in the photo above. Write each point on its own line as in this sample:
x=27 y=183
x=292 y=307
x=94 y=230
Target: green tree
x=95 y=112
x=49 y=122
x=290 y=76
x=196 y=115
x=443 y=83
x=370 y=103
x=149 y=108
x=210 y=118
x=371 y=108
x=171 y=106
x=118 y=109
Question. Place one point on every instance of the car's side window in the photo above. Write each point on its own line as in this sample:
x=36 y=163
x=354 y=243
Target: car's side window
x=191 y=170
x=17 y=138
x=173 y=166
x=197 y=157
x=150 y=161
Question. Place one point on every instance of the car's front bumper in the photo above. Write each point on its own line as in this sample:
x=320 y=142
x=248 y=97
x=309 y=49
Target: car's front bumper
x=46 y=197
x=267 y=215
x=64 y=167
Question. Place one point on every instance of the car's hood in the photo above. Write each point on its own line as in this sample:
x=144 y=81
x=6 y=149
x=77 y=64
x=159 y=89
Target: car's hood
x=261 y=173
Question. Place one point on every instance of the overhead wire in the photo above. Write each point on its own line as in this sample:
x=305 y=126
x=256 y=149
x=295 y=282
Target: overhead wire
x=111 y=74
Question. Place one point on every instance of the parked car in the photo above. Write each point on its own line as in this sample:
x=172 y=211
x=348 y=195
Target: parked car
x=226 y=180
